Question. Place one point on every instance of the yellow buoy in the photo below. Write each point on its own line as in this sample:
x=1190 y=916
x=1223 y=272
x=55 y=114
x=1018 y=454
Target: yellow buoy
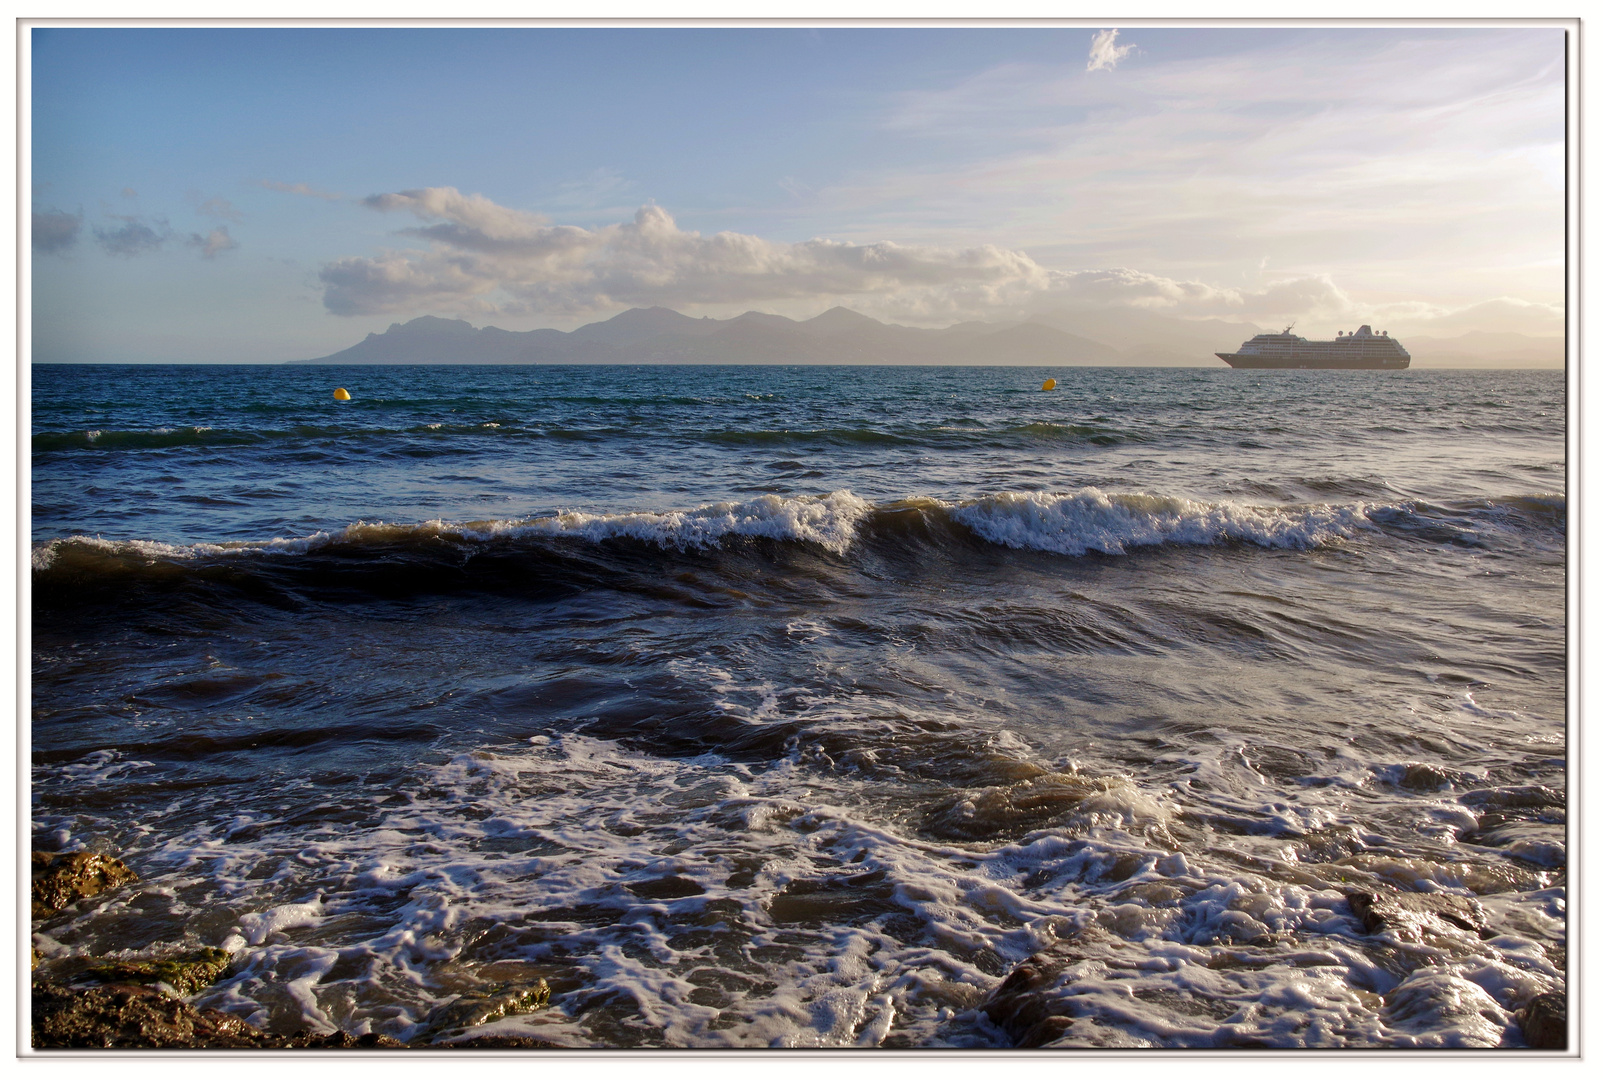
x=342 y=394
x=1050 y=384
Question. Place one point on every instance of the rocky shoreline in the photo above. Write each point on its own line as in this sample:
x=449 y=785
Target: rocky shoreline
x=1029 y=1007
x=83 y=1002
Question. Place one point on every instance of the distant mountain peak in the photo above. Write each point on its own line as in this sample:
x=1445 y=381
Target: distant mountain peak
x=431 y=324
x=654 y=314
x=841 y=317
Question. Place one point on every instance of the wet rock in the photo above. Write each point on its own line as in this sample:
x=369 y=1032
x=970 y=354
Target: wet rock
x=1544 y=1022
x=1418 y=776
x=134 y=1016
x=1531 y=796
x=835 y=899
x=142 y=1017
x=474 y=1009
x=1024 y=1005
x=61 y=879
x=1386 y=909
x=341 y=1040
x=186 y=972
x=666 y=888
x=1010 y=810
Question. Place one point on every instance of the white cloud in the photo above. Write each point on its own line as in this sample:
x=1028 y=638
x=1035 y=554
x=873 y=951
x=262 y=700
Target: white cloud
x=135 y=236
x=1122 y=287
x=1104 y=53
x=485 y=257
x=1404 y=165
x=213 y=243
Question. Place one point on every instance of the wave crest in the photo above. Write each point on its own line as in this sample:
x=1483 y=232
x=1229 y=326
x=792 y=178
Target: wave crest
x=830 y=521
x=1093 y=520
x=1074 y=523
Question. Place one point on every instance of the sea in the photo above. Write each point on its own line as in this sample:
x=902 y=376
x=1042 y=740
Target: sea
x=796 y=707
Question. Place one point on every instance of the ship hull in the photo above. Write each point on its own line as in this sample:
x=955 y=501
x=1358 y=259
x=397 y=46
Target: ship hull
x=1296 y=363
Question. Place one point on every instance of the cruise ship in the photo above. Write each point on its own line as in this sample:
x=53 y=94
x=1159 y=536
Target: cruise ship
x=1363 y=349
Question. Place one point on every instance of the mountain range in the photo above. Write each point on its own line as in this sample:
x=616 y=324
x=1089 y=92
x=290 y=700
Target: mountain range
x=1063 y=337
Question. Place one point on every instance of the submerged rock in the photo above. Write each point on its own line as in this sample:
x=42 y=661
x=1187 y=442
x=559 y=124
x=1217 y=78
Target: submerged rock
x=61 y=879
x=1544 y=1022
x=666 y=888
x=1386 y=909
x=471 y=1010
x=186 y=973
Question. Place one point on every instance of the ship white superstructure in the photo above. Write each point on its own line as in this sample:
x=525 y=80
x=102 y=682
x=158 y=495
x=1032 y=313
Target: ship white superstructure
x=1363 y=349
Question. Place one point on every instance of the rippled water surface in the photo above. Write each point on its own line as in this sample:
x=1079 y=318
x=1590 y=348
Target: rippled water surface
x=796 y=706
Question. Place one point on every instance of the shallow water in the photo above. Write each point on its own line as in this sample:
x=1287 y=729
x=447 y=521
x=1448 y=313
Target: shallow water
x=794 y=707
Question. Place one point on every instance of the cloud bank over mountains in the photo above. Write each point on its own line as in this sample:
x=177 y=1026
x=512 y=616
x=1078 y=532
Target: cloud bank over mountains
x=471 y=255
x=484 y=257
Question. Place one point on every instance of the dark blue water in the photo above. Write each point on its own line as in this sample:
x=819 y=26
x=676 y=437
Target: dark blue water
x=794 y=706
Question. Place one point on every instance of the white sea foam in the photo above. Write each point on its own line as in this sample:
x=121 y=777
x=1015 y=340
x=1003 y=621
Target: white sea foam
x=257 y=925
x=829 y=521
x=1093 y=520
x=555 y=846
x=604 y=818
x=558 y=843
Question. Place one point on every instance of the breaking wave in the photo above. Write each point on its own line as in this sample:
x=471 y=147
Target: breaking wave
x=1091 y=520
x=1078 y=523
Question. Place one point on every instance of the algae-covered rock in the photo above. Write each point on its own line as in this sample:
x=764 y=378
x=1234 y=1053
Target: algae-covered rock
x=186 y=972
x=62 y=878
x=134 y=1016
x=142 y=1017
x=130 y=1017
x=472 y=1010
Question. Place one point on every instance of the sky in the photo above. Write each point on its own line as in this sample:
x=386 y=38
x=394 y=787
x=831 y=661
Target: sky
x=265 y=194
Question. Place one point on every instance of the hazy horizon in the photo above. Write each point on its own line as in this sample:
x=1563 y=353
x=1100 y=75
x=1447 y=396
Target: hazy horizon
x=267 y=195
x=1461 y=353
